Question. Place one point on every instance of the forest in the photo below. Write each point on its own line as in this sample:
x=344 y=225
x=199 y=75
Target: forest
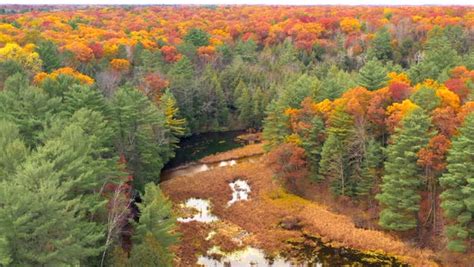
x=367 y=109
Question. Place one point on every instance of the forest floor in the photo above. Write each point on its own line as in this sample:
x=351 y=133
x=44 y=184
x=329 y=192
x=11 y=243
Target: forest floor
x=271 y=217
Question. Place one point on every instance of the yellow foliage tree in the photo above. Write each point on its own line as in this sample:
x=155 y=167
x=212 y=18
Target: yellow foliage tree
x=350 y=25
x=23 y=55
x=84 y=79
x=119 y=64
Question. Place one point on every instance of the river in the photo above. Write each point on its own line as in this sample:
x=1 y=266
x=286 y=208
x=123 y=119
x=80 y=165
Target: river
x=197 y=146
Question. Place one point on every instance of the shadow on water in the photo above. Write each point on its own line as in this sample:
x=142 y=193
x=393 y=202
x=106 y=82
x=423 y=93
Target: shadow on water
x=198 y=146
x=310 y=251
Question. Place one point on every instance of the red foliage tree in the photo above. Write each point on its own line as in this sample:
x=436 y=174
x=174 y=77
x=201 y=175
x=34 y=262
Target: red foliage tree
x=289 y=163
x=170 y=54
x=399 y=91
x=445 y=120
x=153 y=85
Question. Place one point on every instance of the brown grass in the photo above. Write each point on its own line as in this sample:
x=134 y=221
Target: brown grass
x=268 y=205
x=241 y=152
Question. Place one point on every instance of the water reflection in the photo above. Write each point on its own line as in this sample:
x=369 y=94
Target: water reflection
x=249 y=256
x=240 y=191
x=191 y=169
x=203 y=211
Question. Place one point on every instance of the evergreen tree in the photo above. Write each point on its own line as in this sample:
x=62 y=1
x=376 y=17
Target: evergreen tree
x=28 y=107
x=80 y=96
x=402 y=179
x=381 y=46
x=221 y=104
x=156 y=231
x=373 y=75
x=458 y=196
x=52 y=192
x=184 y=90
x=333 y=84
x=141 y=135
x=59 y=86
x=49 y=54
x=138 y=50
x=258 y=102
x=333 y=153
x=238 y=91
x=312 y=142
x=372 y=159
x=426 y=98
x=438 y=57
x=276 y=125
x=214 y=106
x=298 y=90
x=244 y=104
x=38 y=226
x=197 y=37
x=9 y=68
x=247 y=50
x=13 y=149
x=173 y=122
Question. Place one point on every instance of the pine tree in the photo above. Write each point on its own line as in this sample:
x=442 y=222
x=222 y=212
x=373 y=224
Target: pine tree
x=370 y=164
x=9 y=68
x=244 y=105
x=298 y=90
x=258 y=103
x=458 y=196
x=276 y=125
x=184 y=90
x=373 y=75
x=38 y=226
x=214 y=105
x=51 y=192
x=173 y=122
x=221 y=104
x=333 y=84
x=426 y=98
x=141 y=135
x=438 y=57
x=238 y=90
x=197 y=37
x=402 y=179
x=312 y=142
x=13 y=149
x=247 y=50
x=333 y=153
x=49 y=54
x=80 y=96
x=28 y=107
x=156 y=231
x=381 y=46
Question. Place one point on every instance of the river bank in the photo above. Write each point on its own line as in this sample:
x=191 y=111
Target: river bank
x=274 y=221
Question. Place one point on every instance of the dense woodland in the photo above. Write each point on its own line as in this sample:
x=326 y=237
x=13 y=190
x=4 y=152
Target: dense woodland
x=374 y=104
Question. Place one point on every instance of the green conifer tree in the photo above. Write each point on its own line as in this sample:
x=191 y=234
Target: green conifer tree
x=373 y=75
x=381 y=46
x=399 y=197
x=49 y=54
x=312 y=142
x=332 y=164
x=141 y=135
x=244 y=105
x=458 y=196
x=156 y=231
